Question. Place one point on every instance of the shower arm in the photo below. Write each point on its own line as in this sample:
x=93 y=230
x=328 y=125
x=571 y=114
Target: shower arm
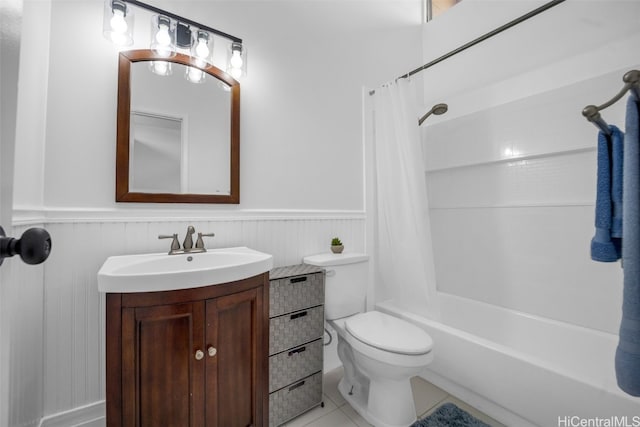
x=423 y=118
x=436 y=109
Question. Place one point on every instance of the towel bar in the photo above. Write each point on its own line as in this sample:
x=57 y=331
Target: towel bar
x=592 y=112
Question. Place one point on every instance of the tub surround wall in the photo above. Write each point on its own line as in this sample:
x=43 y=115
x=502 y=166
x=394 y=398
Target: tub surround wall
x=511 y=172
x=522 y=221
x=522 y=161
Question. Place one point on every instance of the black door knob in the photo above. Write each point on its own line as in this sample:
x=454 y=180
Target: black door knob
x=33 y=247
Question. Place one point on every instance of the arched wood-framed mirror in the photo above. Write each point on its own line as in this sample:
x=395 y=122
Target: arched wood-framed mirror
x=177 y=141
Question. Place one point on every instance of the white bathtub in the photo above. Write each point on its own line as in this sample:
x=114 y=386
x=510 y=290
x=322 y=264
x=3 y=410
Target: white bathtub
x=523 y=370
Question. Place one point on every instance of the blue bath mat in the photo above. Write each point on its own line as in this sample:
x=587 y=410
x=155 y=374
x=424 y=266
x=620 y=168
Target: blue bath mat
x=449 y=415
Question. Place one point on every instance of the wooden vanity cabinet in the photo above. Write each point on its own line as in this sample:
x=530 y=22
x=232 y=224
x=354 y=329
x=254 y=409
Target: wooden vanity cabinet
x=193 y=357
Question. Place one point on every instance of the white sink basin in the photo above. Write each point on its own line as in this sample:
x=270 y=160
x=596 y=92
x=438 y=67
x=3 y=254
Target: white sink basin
x=163 y=272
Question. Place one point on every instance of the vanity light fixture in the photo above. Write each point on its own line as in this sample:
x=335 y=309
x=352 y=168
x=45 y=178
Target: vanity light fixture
x=202 y=47
x=201 y=50
x=237 y=60
x=171 y=33
x=162 y=36
x=117 y=24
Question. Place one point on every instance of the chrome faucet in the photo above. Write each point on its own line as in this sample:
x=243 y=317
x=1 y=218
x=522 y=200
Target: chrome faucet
x=187 y=245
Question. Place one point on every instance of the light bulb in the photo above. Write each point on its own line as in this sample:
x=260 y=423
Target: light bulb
x=162 y=36
x=236 y=73
x=118 y=23
x=194 y=75
x=118 y=38
x=236 y=59
x=202 y=50
x=162 y=68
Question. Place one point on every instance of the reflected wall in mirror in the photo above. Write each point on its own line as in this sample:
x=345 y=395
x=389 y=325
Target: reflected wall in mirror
x=177 y=141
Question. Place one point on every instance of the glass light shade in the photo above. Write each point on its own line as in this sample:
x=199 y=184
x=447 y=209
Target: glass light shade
x=117 y=23
x=163 y=40
x=161 y=68
x=202 y=48
x=237 y=60
x=195 y=75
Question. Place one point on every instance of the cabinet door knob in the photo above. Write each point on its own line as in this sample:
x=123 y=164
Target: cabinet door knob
x=212 y=351
x=199 y=355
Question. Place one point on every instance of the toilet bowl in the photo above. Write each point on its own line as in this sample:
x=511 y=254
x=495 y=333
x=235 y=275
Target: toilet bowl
x=380 y=353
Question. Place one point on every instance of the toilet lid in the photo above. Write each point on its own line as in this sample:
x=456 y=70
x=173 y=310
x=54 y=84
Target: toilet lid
x=389 y=333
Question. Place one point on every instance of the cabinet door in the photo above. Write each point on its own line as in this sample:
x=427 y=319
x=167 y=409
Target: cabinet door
x=162 y=379
x=234 y=385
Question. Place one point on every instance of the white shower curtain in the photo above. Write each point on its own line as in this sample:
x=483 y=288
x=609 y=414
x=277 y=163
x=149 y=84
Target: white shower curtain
x=402 y=247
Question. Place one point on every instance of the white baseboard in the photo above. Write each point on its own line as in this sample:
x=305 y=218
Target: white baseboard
x=92 y=415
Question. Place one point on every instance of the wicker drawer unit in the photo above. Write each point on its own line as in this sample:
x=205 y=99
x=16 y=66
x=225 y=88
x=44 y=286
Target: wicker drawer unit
x=296 y=329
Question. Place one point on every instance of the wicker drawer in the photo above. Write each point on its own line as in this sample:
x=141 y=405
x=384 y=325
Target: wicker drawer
x=299 y=362
x=292 y=401
x=295 y=293
x=293 y=329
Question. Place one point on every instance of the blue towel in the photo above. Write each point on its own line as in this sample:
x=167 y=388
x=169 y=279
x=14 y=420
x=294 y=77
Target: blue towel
x=606 y=244
x=617 y=156
x=628 y=351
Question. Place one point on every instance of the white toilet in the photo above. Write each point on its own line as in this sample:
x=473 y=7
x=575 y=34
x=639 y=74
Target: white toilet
x=379 y=352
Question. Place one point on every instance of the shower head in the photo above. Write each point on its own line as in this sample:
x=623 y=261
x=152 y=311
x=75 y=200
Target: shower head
x=436 y=109
x=440 y=109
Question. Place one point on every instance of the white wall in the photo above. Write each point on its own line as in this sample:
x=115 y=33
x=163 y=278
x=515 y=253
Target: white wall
x=511 y=167
x=300 y=104
x=301 y=155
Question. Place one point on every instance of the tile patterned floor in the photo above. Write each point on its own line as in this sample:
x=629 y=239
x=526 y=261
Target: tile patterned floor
x=338 y=413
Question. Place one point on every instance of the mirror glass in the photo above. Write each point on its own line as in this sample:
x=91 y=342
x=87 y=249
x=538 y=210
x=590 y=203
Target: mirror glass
x=177 y=140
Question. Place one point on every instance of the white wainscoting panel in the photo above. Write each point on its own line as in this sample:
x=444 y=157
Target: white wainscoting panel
x=74 y=310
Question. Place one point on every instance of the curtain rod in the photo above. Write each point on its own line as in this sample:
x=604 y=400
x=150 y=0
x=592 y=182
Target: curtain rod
x=482 y=38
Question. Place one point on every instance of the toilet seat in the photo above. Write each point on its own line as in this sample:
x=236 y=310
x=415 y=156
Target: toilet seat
x=388 y=333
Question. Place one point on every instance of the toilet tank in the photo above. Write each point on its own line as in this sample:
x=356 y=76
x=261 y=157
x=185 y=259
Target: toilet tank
x=345 y=284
